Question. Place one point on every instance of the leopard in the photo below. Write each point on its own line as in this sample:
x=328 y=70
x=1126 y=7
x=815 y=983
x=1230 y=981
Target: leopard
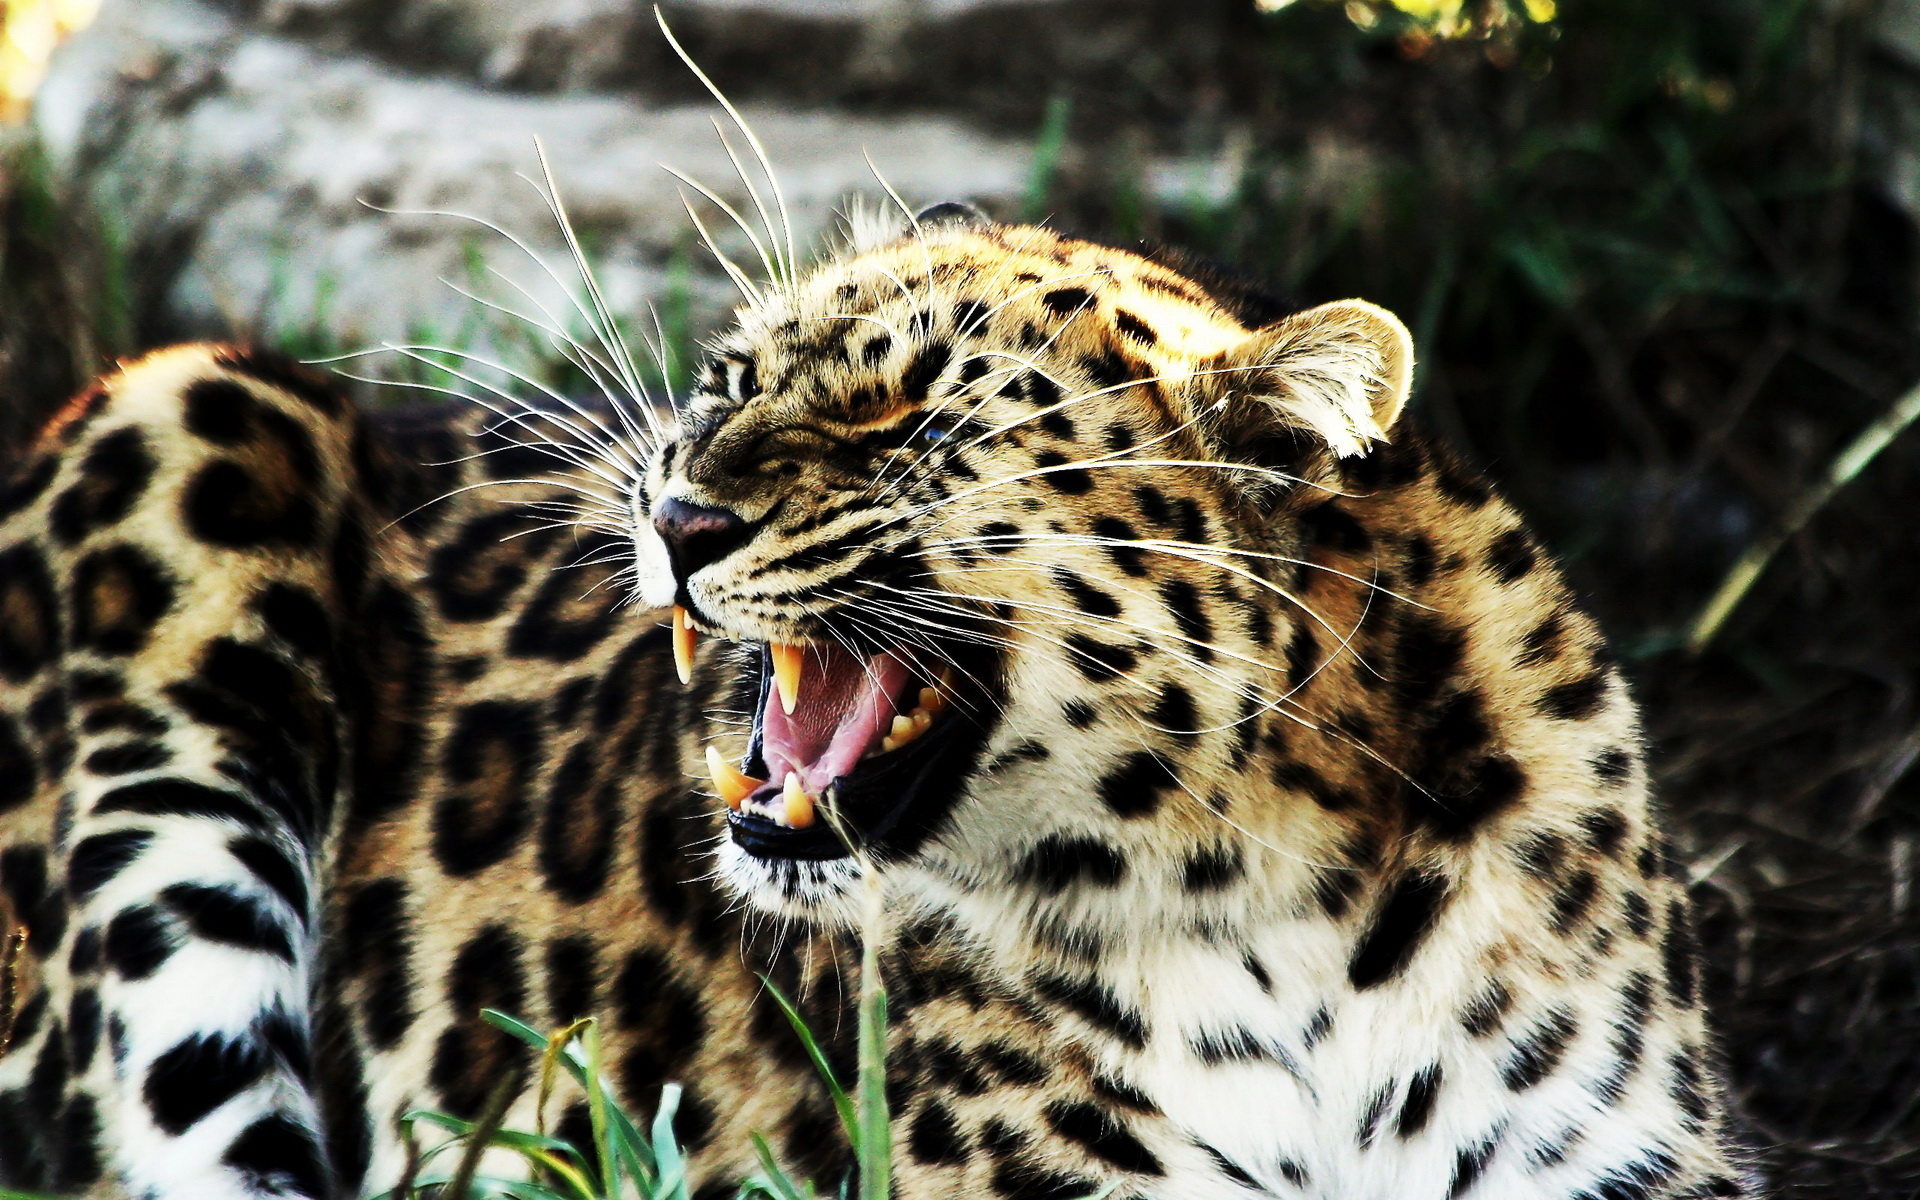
x=1229 y=790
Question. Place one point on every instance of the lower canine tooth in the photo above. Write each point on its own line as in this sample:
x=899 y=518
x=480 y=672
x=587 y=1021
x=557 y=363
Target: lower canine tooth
x=798 y=805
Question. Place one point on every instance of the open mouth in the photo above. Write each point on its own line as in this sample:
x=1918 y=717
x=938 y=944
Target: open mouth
x=847 y=748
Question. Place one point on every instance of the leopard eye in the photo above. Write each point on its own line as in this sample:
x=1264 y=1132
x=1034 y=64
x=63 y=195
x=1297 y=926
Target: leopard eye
x=933 y=433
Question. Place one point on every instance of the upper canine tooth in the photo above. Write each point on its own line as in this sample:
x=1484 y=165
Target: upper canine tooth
x=799 y=805
x=786 y=673
x=733 y=784
x=683 y=636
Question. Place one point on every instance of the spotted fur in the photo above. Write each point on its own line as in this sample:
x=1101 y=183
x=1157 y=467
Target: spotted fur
x=1291 y=836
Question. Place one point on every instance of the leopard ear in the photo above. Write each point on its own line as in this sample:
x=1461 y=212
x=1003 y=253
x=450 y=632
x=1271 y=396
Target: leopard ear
x=1338 y=374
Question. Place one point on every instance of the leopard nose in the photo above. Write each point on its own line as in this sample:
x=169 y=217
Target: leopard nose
x=697 y=535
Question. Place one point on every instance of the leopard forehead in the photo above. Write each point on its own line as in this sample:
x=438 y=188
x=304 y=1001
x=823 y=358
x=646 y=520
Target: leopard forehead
x=865 y=335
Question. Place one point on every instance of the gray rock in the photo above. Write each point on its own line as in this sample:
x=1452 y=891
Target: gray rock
x=242 y=164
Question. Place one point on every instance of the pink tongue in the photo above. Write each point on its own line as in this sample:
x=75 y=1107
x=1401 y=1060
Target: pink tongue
x=846 y=706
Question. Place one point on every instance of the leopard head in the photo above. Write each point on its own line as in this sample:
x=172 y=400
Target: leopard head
x=999 y=524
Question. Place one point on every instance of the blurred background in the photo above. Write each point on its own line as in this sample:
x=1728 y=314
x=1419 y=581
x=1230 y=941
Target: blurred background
x=1660 y=257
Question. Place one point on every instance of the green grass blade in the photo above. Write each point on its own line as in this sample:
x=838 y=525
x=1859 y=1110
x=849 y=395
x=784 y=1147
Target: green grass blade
x=873 y=1147
x=841 y=1101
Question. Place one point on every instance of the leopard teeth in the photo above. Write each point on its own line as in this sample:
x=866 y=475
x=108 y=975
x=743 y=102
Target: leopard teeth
x=796 y=804
x=786 y=673
x=733 y=784
x=683 y=639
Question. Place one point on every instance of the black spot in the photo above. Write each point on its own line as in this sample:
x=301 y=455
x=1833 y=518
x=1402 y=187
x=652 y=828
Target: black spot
x=19 y=776
x=1511 y=556
x=1183 y=601
x=29 y=619
x=664 y=1017
x=265 y=502
x=1013 y=1066
x=1109 y=369
x=1079 y=713
x=1612 y=767
x=26 y=484
x=1536 y=1055
x=1470 y=1163
x=970 y=316
x=376 y=936
x=118 y=595
x=577 y=828
x=79 y=1166
x=1639 y=916
x=1058 y=862
x=230 y=917
x=473 y=575
x=1402 y=923
x=1606 y=829
x=1101 y=1136
x=572 y=979
x=279 y=1155
x=1572 y=899
x=1087 y=598
x=85 y=954
x=83 y=1027
x=875 y=351
x=935 y=1138
x=220 y=411
x=1173 y=711
x=1418 y=1108
x=1064 y=302
x=1629 y=1037
x=1303 y=654
x=125 y=758
x=1136 y=787
x=1678 y=952
x=1429 y=657
x=1128 y=558
x=1218 y=866
x=99 y=858
x=1644 y=1178
x=1575 y=701
x=1059 y=424
x=471 y=1058
x=198 y=1075
x=1056 y=474
x=1459 y=485
x=274 y=869
x=112 y=477
x=138 y=941
x=43 y=909
x=1485 y=1011
x=572 y=612
x=1420 y=560
x=489 y=760
x=1370 y=1116
x=922 y=370
x=1332 y=526
x=1097 y=1005
x=1099 y=661
x=1543 y=642
x=1133 y=327
x=293 y=615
